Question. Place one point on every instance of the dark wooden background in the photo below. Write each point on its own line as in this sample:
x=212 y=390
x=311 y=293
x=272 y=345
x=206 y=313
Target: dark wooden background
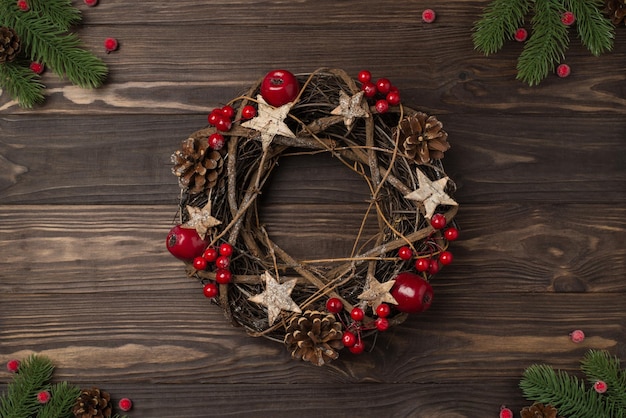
x=87 y=198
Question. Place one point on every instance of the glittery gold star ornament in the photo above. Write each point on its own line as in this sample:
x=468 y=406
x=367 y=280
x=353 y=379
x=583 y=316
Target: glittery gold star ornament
x=376 y=292
x=430 y=194
x=351 y=108
x=276 y=297
x=201 y=219
x=270 y=121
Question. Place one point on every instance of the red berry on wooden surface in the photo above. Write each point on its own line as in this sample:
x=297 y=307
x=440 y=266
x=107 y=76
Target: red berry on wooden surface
x=393 y=98
x=382 y=324
x=563 y=70
x=521 y=35
x=405 y=252
x=568 y=18
x=505 y=412
x=334 y=305
x=433 y=267
x=248 y=112
x=226 y=249
x=382 y=106
x=438 y=221
x=369 y=89
x=210 y=254
x=216 y=141
x=222 y=262
x=451 y=234
x=125 y=404
x=412 y=292
x=357 y=314
x=90 y=3
x=185 y=243
x=348 y=338
x=23 y=5
x=43 y=397
x=445 y=258
x=13 y=365
x=279 y=87
x=37 y=67
x=210 y=290
x=600 y=386
x=222 y=123
x=223 y=276
x=383 y=310
x=383 y=85
x=357 y=348
x=228 y=111
x=429 y=16
x=110 y=45
x=422 y=264
x=364 y=76
x=200 y=263
x=577 y=336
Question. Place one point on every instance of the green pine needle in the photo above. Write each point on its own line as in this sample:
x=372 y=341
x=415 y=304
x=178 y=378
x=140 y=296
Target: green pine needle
x=60 y=13
x=22 y=84
x=547 y=45
x=596 y=32
x=20 y=400
x=600 y=365
x=498 y=23
x=63 y=398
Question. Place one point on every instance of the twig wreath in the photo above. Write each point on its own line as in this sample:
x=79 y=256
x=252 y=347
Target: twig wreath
x=315 y=307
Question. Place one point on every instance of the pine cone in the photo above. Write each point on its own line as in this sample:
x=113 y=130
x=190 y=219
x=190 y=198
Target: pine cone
x=93 y=403
x=197 y=166
x=9 y=44
x=615 y=10
x=315 y=337
x=421 y=137
x=537 y=410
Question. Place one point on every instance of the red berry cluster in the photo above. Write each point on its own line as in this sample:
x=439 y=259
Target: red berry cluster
x=426 y=262
x=382 y=92
x=356 y=324
x=222 y=118
x=220 y=257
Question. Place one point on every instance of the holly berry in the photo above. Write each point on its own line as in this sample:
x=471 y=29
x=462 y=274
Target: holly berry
x=334 y=305
x=433 y=267
x=90 y=3
x=413 y=293
x=348 y=338
x=438 y=221
x=228 y=111
x=23 y=5
x=357 y=348
x=125 y=404
x=185 y=243
x=382 y=106
x=37 y=67
x=43 y=397
x=216 y=141
x=222 y=262
x=369 y=89
x=223 y=124
x=422 y=264
x=200 y=263
x=383 y=310
x=226 y=249
x=357 y=314
x=405 y=253
x=214 y=116
x=563 y=70
x=600 y=386
x=364 y=76
x=382 y=324
x=577 y=336
x=223 y=276
x=505 y=412
x=110 y=45
x=279 y=87
x=393 y=98
x=383 y=85
x=248 y=112
x=210 y=290
x=451 y=234
x=568 y=18
x=210 y=254
x=429 y=16
x=445 y=258
x=13 y=365
x=521 y=35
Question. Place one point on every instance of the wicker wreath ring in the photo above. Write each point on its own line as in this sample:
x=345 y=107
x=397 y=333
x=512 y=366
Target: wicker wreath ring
x=309 y=307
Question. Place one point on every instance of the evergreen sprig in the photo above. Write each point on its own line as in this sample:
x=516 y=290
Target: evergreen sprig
x=22 y=83
x=600 y=365
x=595 y=31
x=63 y=398
x=500 y=20
x=20 y=399
x=60 y=13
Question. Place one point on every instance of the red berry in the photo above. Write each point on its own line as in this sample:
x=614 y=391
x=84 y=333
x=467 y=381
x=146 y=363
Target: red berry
x=228 y=111
x=185 y=243
x=451 y=234
x=210 y=254
x=214 y=115
x=365 y=76
x=210 y=290
x=279 y=87
x=357 y=314
x=23 y=5
x=433 y=267
x=438 y=221
x=577 y=336
x=216 y=141
x=600 y=386
x=428 y=16
x=348 y=339
x=383 y=85
x=37 y=67
x=110 y=45
x=223 y=276
x=422 y=264
x=226 y=249
x=357 y=348
x=43 y=396
x=223 y=123
x=405 y=253
x=200 y=263
x=382 y=106
x=91 y=3
x=383 y=310
x=369 y=89
x=445 y=258
x=393 y=98
x=248 y=112
x=382 y=324
x=568 y=18
x=563 y=70
x=13 y=365
x=125 y=404
x=334 y=305
x=505 y=412
x=222 y=262
x=412 y=292
x=521 y=35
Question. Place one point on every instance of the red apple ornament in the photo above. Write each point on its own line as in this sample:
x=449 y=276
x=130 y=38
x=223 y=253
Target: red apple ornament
x=412 y=292
x=185 y=243
x=279 y=87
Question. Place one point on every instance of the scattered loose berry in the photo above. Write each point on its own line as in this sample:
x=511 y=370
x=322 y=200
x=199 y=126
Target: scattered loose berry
x=125 y=404
x=429 y=15
x=563 y=70
x=91 y=3
x=600 y=386
x=438 y=221
x=223 y=276
x=383 y=310
x=393 y=98
x=568 y=18
x=199 y=263
x=422 y=264
x=23 y=5
x=210 y=290
x=382 y=324
x=505 y=412
x=451 y=234
x=445 y=258
x=110 y=45
x=334 y=305
x=228 y=111
x=383 y=85
x=43 y=396
x=348 y=339
x=357 y=348
x=521 y=35
x=226 y=249
x=577 y=336
x=13 y=365
x=216 y=141
x=382 y=106
x=365 y=76
x=433 y=267
x=37 y=67
x=248 y=112
x=210 y=254
x=405 y=253
x=222 y=262
x=369 y=89
x=357 y=314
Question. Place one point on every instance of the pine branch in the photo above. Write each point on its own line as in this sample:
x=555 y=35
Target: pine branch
x=498 y=23
x=599 y=365
x=596 y=31
x=546 y=46
x=22 y=84
x=60 y=405
x=20 y=400
x=60 y=13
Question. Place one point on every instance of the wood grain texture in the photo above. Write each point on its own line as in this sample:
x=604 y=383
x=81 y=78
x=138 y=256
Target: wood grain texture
x=87 y=197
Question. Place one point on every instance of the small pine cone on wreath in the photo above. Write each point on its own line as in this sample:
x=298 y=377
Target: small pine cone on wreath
x=421 y=137
x=197 y=166
x=616 y=11
x=93 y=403
x=538 y=410
x=9 y=44
x=314 y=337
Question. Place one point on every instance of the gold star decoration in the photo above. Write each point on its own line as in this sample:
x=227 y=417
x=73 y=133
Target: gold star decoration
x=376 y=292
x=351 y=108
x=270 y=121
x=276 y=297
x=430 y=194
x=201 y=219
